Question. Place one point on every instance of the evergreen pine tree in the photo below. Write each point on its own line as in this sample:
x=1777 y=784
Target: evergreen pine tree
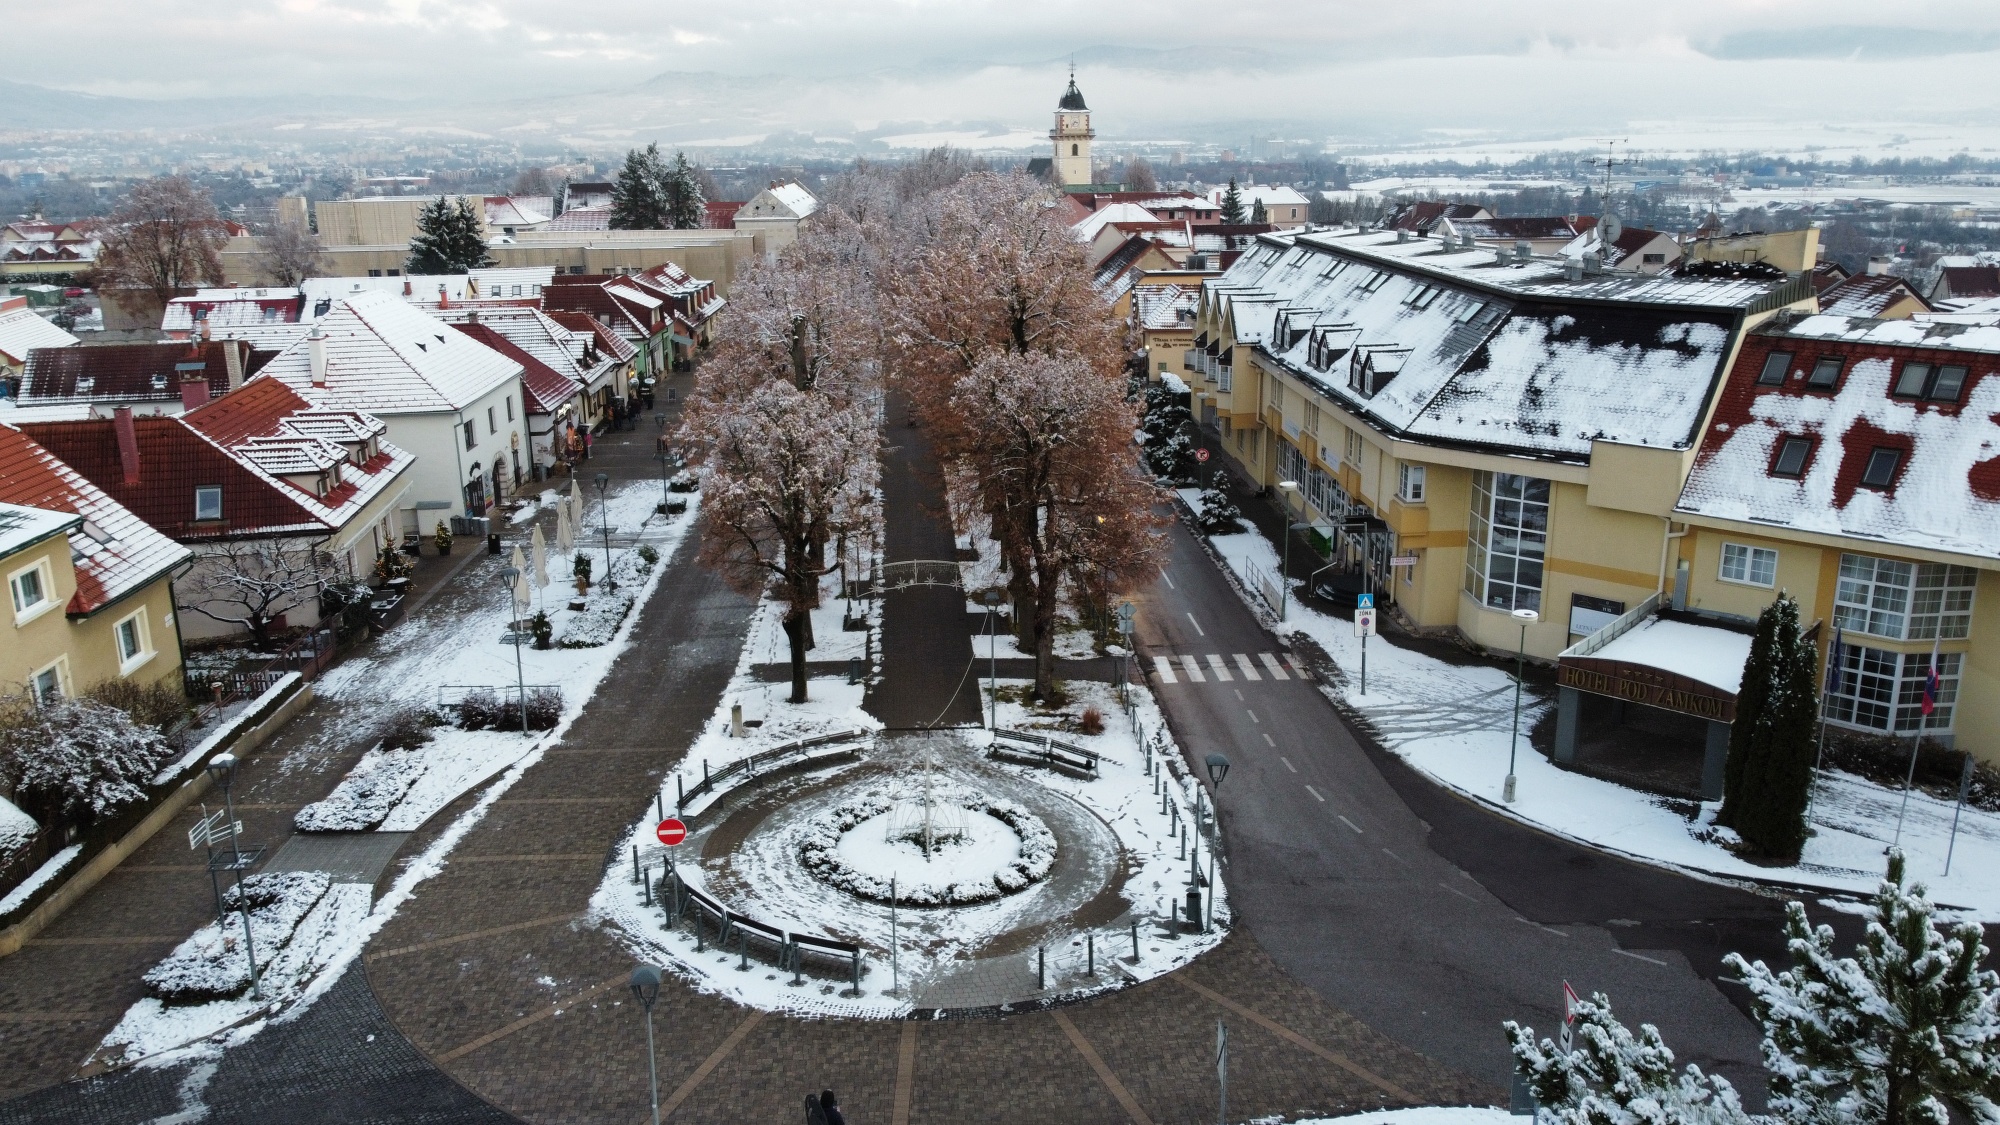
x=1232 y=204
x=1905 y=1032
x=1219 y=513
x=1258 y=214
x=684 y=205
x=430 y=249
x=1612 y=1077
x=1751 y=696
x=638 y=198
x=467 y=246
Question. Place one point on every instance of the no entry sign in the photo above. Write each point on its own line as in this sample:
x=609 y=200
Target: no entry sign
x=671 y=831
x=1201 y=454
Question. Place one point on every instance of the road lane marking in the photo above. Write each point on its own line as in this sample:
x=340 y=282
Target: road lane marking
x=1637 y=957
x=1118 y=1091
x=1197 y=625
x=1315 y=793
x=1294 y=666
x=1467 y=897
x=1350 y=824
x=1165 y=668
x=1394 y=856
x=1249 y=669
x=1220 y=669
x=1253 y=715
x=1548 y=929
x=1288 y=763
x=1239 y=694
x=1169 y=578
x=1193 y=670
x=1269 y=742
x=1271 y=664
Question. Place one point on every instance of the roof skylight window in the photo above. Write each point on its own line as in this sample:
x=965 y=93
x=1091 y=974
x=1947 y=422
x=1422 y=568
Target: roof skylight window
x=1792 y=454
x=1882 y=466
x=1825 y=373
x=1775 y=366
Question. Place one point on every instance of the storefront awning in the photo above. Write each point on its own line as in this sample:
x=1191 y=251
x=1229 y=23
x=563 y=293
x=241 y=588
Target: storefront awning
x=1660 y=661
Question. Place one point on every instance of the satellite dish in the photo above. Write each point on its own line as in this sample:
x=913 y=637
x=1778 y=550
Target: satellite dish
x=1609 y=228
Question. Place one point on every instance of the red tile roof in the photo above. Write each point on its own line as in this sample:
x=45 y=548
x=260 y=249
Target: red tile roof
x=608 y=341
x=1972 y=281
x=543 y=388
x=128 y=372
x=122 y=557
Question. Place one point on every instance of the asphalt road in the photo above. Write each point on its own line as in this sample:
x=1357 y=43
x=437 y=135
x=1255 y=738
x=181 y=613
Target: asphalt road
x=1428 y=916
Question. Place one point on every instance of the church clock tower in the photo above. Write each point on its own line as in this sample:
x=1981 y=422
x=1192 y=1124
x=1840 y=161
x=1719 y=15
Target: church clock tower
x=1072 y=136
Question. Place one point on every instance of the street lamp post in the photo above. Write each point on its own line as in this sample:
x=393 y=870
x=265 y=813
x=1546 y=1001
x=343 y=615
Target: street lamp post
x=1526 y=617
x=510 y=577
x=222 y=768
x=993 y=659
x=646 y=990
x=604 y=514
x=1218 y=768
x=664 y=458
x=1286 y=488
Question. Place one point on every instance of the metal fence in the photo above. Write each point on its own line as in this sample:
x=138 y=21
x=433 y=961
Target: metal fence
x=757 y=764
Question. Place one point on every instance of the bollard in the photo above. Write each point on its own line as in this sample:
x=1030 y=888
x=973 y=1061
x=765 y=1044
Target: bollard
x=680 y=792
x=1090 y=952
x=699 y=946
x=649 y=888
x=1041 y=968
x=857 y=973
x=1183 y=840
x=743 y=950
x=798 y=965
x=1135 y=940
x=736 y=720
x=635 y=863
x=660 y=806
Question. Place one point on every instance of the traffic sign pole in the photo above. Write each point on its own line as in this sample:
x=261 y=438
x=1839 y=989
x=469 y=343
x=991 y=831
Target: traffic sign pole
x=1364 y=627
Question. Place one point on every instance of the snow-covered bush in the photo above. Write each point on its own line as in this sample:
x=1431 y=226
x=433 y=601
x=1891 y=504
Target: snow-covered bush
x=819 y=853
x=1612 y=1077
x=410 y=727
x=76 y=759
x=684 y=482
x=366 y=796
x=1218 y=514
x=598 y=622
x=211 y=965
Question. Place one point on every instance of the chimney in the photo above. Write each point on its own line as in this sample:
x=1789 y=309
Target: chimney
x=444 y=299
x=194 y=391
x=472 y=317
x=316 y=354
x=407 y=291
x=128 y=443
x=232 y=362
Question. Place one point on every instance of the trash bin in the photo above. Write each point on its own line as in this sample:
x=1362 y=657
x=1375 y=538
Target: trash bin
x=493 y=543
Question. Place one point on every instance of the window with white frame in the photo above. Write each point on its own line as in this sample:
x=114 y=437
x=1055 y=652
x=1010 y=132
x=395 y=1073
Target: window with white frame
x=1354 y=448
x=1410 y=482
x=134 y=645
x=1752 y=566
x=32 y=591
x=1508 y=543
x=46 y=684
x=208 y=503
x=1904 y=601
x=1883 y=690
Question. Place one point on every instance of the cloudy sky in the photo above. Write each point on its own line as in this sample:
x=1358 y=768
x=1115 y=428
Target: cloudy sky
x=1344 y=67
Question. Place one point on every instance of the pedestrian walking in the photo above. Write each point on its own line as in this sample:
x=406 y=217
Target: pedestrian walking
x=829 y=1106
x=815 y=1114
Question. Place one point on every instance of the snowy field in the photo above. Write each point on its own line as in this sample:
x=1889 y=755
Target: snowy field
x=447 y=643
x=1120 y=812
x=1453 y=724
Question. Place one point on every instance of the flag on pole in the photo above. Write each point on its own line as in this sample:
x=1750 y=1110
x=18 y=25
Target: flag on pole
x=538 y=550
x=1931 y=681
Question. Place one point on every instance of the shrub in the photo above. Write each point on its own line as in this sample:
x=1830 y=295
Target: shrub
x=392 y=563
x=410 y=727
x=581 y=566
x=487 y=710
x=76 y=758
x=1219 y=514
x=442 y=537
x=648 y=556
x=478 y=710
x=1092 y=721
x=152 y=705
x=541 y=627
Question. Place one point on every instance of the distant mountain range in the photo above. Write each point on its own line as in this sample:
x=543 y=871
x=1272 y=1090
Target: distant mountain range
x=23 y=106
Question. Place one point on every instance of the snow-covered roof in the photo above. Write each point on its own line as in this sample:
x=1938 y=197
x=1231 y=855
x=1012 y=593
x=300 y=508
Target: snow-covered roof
x=231 y=307
x=21 y=525
x=1270 y=195
x=1097 y=220
x=1867 y=295
x=21 y=331
x=1700 y=652
x=1514 y=358
x=1942 y=490
x=1161 y=307
x=780 y=201
x=385 y=356
x=115 y=552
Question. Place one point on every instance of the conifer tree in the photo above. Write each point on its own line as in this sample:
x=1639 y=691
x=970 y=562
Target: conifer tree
x=1232 y=204
x=1769 y=772
x=684 y=206
x=639 y=197
x=1612 y=1077
x=1905 y=1032
x=1258 y=214
x=449 y=239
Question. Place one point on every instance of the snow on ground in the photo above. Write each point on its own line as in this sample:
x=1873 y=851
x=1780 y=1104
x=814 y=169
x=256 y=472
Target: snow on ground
x=49 y=869
x=1453 y=723
x=1423 y=1115
x=434 y=649
x=222 y=724
x=765 y=880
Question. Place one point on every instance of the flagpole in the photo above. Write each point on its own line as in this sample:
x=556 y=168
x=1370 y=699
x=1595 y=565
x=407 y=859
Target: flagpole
x=1923 y=720
x=1829 y=683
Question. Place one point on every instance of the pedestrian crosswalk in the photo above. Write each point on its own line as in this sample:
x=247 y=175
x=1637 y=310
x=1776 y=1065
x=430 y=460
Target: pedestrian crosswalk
x=1214 y=667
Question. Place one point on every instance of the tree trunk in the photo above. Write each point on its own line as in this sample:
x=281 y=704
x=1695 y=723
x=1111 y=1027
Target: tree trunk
x=1046 y=603
x=797 y=622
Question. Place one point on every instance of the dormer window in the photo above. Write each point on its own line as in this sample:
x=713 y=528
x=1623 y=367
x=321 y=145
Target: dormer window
x=159 y=382
x=86 y=384
x=1792 y=455
x=1882 y=466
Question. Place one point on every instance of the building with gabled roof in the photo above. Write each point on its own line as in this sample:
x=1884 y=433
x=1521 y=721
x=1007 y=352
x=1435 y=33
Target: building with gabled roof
x=1880 y=296
x=1514 y=428
x=1635 y=250
x=145 y=378
x=21 y=332
x=213 y=309
x=775 y=213
x=1854 y=463
x=90 y=584
x=449 y=400
x=554 y=396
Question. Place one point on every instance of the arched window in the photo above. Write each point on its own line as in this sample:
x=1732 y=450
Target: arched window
x=1072 y=150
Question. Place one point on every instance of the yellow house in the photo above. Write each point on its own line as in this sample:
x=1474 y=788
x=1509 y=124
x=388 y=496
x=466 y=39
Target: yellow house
x=89 y=585
x=1475 y=433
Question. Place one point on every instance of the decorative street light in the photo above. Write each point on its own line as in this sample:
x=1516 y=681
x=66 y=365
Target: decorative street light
x=222 y=768
x=646 y=990
x=510 y=577
x=604 y=512
x=1287 y=487
x=1526 y=617
x=1218 y=768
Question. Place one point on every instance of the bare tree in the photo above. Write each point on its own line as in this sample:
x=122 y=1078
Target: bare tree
x=1139 y=175
x=785 y=471
x=534 y=181
x=166 y=238
x=1048 y=440
x=253 y=582
x=288 y=253
x=809 y=316
x=866 y=192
